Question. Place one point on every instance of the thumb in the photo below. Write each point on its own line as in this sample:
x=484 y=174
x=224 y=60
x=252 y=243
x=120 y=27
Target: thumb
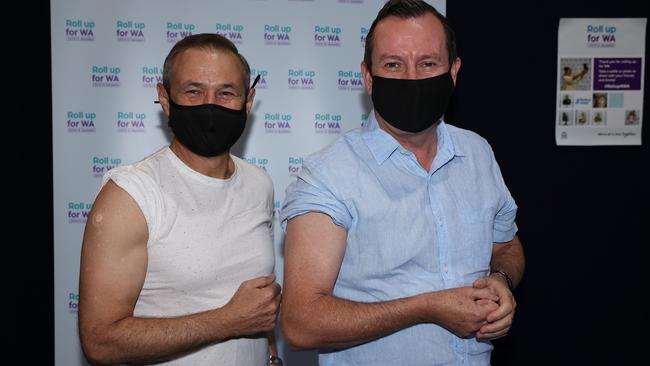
x=261 y=282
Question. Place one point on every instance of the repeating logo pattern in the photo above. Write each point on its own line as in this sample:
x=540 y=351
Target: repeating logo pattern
x=106 y=65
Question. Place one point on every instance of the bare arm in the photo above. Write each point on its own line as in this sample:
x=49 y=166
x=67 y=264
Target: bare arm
x=113 y=268
x=581 y=74
x=313 y=318
x=509 y=258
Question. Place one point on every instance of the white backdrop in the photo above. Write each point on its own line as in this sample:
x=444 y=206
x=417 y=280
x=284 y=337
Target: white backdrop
x=107 y=57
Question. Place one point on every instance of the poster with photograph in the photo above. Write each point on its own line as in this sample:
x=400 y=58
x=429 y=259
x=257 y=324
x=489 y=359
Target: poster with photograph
x=600 y=81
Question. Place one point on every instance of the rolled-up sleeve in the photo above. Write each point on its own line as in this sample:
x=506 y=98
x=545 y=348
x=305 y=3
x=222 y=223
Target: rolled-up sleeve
x=504 y=221
x=310 y=193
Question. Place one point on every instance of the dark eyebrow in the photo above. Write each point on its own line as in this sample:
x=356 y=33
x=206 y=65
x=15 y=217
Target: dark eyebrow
x=229 y=85
x=199 y=84
x=389 y=55
x=435 y=57
x=192 y=83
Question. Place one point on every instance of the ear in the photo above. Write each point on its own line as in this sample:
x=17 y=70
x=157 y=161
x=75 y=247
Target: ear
x=163 y=98
x=454 y=69
x=367 y=78
x=249 y=100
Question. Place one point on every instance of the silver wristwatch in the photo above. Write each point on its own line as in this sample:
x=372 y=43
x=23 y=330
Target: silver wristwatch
x=275 y=360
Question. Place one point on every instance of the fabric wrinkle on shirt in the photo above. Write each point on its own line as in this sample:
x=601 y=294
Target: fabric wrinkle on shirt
x=409 y=230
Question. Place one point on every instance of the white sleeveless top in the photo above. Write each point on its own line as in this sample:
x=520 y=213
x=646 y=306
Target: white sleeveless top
x=206 y=236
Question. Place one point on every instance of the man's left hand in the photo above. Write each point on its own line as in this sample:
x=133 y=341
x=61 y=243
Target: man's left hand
x=500 y=320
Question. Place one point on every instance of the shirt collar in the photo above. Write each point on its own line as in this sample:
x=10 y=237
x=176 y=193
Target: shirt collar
x=379 y=142
x=382 y=145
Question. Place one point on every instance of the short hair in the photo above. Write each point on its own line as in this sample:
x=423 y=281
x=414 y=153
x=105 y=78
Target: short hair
x=205 y=41
x=405 y=9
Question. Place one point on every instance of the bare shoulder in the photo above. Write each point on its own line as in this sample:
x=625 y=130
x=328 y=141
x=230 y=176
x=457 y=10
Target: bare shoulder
x=115 y=216
x=113 y=262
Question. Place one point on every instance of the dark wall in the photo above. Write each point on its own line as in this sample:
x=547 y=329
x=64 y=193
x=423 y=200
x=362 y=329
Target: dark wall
x=583 y=214
x=27 y=256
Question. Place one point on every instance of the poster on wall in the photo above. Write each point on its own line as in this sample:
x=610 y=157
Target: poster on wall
x=600 y=81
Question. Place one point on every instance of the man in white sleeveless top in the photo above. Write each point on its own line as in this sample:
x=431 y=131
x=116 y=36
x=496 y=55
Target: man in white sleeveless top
x=177 y=259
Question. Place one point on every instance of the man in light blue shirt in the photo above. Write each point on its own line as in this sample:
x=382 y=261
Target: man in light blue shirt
x=400 y=237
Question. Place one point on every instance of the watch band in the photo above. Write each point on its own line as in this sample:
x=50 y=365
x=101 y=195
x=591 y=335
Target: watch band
x=275 y=360
x=507 y=277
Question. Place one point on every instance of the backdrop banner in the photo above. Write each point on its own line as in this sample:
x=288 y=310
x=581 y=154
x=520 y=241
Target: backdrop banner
x=107 y=58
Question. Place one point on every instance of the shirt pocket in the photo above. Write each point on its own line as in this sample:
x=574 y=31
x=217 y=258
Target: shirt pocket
x=476 y=237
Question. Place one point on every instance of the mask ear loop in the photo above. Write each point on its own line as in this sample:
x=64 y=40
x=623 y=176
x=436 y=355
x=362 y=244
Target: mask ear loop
x=157 y=101
x=257 y=78
x=168 y=93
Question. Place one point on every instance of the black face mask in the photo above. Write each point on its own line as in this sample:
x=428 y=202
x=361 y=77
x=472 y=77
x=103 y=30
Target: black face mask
x=412 y=105
x=207 y=129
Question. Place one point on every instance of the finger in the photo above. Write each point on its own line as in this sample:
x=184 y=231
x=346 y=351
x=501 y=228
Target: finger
x=270 y=292
x=277 y=289
x=480 y=283
x=496 y=315
x=487 y=305
x=275 y=300
x=506 y=310
x=485 y=293
x=263 y=281
x=497 y=326
x=492 y=336
x=278 y=299
x=496 y=329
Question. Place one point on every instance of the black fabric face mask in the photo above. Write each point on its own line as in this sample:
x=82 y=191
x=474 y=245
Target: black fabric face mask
x=412 y=105
x=207 y=129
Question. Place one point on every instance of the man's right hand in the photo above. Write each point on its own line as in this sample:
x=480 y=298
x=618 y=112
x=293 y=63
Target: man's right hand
x=462 y=310
x=254 y=307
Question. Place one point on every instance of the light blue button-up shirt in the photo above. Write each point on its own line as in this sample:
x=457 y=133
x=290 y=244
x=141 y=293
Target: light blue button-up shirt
x=409 y=231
